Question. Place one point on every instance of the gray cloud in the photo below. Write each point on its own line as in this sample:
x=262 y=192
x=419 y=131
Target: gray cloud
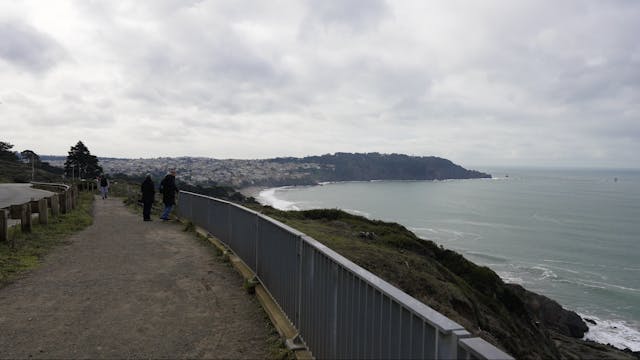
x=354 y=15
x=28 y=48
x=489 y=82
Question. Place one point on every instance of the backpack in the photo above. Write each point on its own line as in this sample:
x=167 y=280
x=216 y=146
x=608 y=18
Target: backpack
x=103 y=182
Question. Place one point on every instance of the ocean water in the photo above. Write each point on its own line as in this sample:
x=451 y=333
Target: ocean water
x=572 y=235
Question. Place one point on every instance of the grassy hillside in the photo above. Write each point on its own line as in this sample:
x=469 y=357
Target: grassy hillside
x=18 y=172
x=474 y=296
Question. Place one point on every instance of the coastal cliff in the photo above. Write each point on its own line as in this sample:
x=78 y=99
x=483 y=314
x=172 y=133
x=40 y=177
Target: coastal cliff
x=375 y=166
x=525 y=324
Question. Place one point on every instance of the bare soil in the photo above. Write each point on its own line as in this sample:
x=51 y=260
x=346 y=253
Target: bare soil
x=126 y=288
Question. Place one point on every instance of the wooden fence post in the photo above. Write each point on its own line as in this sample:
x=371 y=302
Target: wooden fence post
x=15 y=212
x=25 y=221
x=43 y=212
x=55 y=205
x=62 y=200
x=4 y=225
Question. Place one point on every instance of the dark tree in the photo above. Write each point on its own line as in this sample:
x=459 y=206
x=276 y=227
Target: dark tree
x=80 y=163
x=6 y=153
x=30 y=156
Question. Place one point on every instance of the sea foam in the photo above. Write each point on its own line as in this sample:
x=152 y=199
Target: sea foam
x=268 y=197
x=618 y=333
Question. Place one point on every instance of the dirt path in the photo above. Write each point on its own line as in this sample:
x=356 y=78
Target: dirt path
x=128 y=288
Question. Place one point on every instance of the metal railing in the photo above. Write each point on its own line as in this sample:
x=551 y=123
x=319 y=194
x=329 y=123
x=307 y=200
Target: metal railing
x=340 y=309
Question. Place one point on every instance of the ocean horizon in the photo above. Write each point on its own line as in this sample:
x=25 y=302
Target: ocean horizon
x=569 y=234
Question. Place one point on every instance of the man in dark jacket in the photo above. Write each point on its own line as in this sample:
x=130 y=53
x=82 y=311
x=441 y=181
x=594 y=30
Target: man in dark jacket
x=169 y=190
x=148 y=196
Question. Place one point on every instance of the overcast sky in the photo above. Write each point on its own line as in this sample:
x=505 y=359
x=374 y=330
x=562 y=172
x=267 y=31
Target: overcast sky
x=478 y=82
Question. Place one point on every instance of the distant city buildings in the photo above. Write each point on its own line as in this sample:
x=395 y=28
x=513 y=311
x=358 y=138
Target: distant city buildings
x=197 y=170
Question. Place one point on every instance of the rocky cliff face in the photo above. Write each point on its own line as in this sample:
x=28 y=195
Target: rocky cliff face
x=551 y=314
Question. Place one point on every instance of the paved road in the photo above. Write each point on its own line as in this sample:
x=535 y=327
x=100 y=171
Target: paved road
x=128 y=288
x=13 y=194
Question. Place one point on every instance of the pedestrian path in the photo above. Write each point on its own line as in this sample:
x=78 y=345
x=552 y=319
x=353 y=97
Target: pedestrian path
x=128 y=288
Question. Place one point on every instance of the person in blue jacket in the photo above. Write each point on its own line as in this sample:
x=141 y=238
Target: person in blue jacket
x=169 y=190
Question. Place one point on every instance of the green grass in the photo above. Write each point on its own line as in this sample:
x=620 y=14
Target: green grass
x=31 y=247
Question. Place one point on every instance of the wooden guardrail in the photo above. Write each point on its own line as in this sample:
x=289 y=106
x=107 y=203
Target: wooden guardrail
x=64 y=200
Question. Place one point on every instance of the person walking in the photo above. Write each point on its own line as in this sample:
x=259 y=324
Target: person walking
x=104 y=186
x=169 y=190
x=148 y=196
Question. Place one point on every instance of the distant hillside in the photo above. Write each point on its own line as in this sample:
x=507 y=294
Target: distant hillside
x=376 y=166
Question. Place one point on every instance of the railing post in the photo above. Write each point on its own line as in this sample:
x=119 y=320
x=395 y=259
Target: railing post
x=448 y=343
x=4 y=225
x=299 y=302
x=43 y=212
x=62 y=201
x=257 y=242
x=25 y=221
x=74 y=196
x=55 y=205
x=229 y=224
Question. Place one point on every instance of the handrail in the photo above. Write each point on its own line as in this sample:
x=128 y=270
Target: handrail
x=64 y=187
x=340 y=309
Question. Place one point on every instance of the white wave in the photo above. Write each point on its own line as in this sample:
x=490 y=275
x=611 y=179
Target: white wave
x=615 y=332
x=510 y=277
x=423 y=229
x=567 y=270
x=575 y=263
x=358 y=212
x=542 y=272
x=609 y=285
x=597 y=284
x=268 y=197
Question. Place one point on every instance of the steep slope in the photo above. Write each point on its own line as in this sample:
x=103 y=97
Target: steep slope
x=525 y=324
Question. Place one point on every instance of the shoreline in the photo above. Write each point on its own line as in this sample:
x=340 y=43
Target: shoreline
x=252 y=191
x=614 y=333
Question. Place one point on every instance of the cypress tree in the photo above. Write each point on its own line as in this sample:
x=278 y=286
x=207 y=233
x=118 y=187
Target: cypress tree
x=81 y=164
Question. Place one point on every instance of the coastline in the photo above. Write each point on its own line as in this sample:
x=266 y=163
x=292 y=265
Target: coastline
x=601 y=331
x=252 y=191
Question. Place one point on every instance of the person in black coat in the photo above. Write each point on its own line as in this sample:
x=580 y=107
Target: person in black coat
x=148 y=189
x=169 y=190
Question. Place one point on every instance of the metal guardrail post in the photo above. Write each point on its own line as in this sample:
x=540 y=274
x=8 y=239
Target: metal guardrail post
x=299 y=267
x=257 y=239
